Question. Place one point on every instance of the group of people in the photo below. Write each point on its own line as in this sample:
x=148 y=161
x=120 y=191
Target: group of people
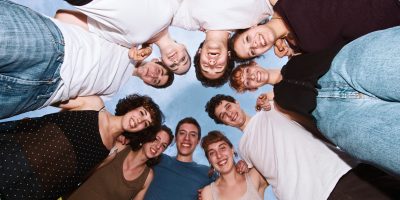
x=328 y=130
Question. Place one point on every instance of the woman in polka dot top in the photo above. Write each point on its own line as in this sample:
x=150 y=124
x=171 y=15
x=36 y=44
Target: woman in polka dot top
x=48 y=156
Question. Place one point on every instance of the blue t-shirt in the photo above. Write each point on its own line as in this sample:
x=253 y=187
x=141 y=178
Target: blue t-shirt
x=174 y=179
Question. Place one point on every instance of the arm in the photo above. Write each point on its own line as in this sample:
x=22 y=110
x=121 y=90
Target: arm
x=146 y=185
x=258 y=180
x=82 y=103
x=72 y=17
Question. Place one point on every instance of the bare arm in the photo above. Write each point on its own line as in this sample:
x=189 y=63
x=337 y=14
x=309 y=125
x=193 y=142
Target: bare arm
x=146 y=185
x=72 y=17
x=206 y=193
x=82 y=103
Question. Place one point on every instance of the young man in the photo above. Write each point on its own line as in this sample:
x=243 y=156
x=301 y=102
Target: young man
x=217 y=18
x=180 y=177
x=286 y=155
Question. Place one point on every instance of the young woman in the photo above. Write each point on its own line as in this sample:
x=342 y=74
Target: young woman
x=46 y=157
x=129 y=174
x=312 y=26
x=230 y=184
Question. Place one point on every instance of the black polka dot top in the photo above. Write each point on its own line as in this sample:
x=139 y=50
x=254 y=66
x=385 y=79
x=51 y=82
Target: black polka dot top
x=46 y=157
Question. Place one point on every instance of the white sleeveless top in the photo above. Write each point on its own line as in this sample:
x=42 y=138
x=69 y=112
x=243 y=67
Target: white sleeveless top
x=251 y=192
x=92 y=65
x=221 y=14
x=129 y=22
x=297 y=165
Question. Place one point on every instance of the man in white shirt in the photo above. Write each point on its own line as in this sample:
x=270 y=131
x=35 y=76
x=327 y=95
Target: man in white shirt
x=296 y=164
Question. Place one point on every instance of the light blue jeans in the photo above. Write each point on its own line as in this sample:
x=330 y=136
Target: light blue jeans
x=358 y=105
x=31 y=54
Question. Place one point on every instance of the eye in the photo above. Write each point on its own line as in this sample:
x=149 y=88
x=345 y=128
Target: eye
x=252 y=53
x=142 y=113
x=211 y=153
x=247 y=38
x=147 y=124
x=164 y=145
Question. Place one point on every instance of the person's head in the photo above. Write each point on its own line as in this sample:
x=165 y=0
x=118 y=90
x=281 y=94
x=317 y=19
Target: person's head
x=248 y=77
x=213 y=64
x=219 y=151
x=224 y=109
x=155 y=74
x=176 y=57
x=138 y=112
x=252 y=42
x=152 y=143
x=187 y=136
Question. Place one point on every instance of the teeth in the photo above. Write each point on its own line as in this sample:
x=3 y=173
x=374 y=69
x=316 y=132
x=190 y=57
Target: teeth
x=186 y=145
x=262 y=41
x=222 y=162
x=132 y=123
x=258 y=76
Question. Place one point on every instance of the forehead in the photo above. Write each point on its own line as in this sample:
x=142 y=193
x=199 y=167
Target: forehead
x=189 y=127
x=240 y=46
x=164 y=136
x=216 y=144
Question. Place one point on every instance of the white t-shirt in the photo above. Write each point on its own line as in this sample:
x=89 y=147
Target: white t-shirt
x=221 y=14
x=297 y=165
x=129 y=22
x=92 y=65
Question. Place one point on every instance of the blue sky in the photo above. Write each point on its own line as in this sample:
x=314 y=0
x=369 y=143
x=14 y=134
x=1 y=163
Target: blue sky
x=186 y=96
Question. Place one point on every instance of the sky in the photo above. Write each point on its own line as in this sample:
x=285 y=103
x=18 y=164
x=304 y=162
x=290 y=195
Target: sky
x=185 y=97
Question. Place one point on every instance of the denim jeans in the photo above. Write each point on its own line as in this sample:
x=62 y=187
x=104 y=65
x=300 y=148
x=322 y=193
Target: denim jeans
x=31 y=54
x=358 y=105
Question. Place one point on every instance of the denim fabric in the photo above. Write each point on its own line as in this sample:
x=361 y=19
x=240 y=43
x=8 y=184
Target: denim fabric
x=358 y=105
x=31 y=54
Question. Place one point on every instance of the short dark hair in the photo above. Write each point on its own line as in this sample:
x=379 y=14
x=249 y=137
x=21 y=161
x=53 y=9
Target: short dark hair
x=188 y=120
x=214 y=102
x=213 y=137
x=137 y=140
x=170 y=75
x=134 y=101
x=231 y=46
x=212 y=82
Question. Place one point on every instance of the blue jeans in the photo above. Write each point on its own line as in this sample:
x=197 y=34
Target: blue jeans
x=31 y=54
x=358 y=105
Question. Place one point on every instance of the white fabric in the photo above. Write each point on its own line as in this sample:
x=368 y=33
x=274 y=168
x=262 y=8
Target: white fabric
x=221 y=14
x=251 y=191
x=297 y=165
x=92 y=65
x=129 y=22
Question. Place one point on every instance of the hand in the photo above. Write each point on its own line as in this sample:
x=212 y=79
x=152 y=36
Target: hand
x=262 y=103
x=199 y=193
x=123 y=140
x=281 y=49
x=140 y=54
x=241 y=167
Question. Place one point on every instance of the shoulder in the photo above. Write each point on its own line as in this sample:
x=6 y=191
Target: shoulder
x=206 y=192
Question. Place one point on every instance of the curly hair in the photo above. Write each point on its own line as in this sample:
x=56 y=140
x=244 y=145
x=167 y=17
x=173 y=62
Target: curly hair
x=235 y=81
x=212 y=82
x=213 y=137
x=170 y=75
x=231 y=46
x=137 y=141
x=188 y=120
x=134 y=101
x=214 y=102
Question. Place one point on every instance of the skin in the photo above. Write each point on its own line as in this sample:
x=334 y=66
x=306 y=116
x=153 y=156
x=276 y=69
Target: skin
x=186 y=140
x=255 y=76
x=214 y=54
x=259 y=39
x=230 y=184
x=151 y=73
x=231 y=114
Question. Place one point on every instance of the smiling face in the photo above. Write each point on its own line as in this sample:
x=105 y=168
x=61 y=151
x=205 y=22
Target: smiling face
x=253 y=76
x=136 y=120
x=213 y=59
x=230 y=114
x=254 y=42
x=220 y=156
x=176 y=58
x=187 y=139
x=155 y=148
x=152 y=74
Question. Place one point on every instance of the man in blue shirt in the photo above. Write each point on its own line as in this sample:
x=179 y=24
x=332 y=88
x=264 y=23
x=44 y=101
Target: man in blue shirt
x=180 y=177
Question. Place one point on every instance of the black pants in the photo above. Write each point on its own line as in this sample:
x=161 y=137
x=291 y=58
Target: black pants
x=78 y=2
x=365 y=182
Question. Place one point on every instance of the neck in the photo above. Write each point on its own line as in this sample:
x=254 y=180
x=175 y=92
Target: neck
x=163 y=40
x=274 y=76
x=230 y=178
x=242 y=127
x=278 y=26
x=135 y=159
x=110 y=128
x=221 y=36
x=184 y=158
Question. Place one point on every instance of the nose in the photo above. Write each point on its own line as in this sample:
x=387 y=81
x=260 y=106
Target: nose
x=251 y=77
x=158 y=144
x=218 y=154
x=212 y=62
x=186 y=137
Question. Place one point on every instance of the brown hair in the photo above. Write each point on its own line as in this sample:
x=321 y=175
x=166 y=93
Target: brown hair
x=213 y=137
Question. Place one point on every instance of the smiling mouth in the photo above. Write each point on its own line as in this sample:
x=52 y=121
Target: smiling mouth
x=222 y=162
x=258 y=76
x=261 y=40
x=234 y=117
x=153 y=151
x=132 y=123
